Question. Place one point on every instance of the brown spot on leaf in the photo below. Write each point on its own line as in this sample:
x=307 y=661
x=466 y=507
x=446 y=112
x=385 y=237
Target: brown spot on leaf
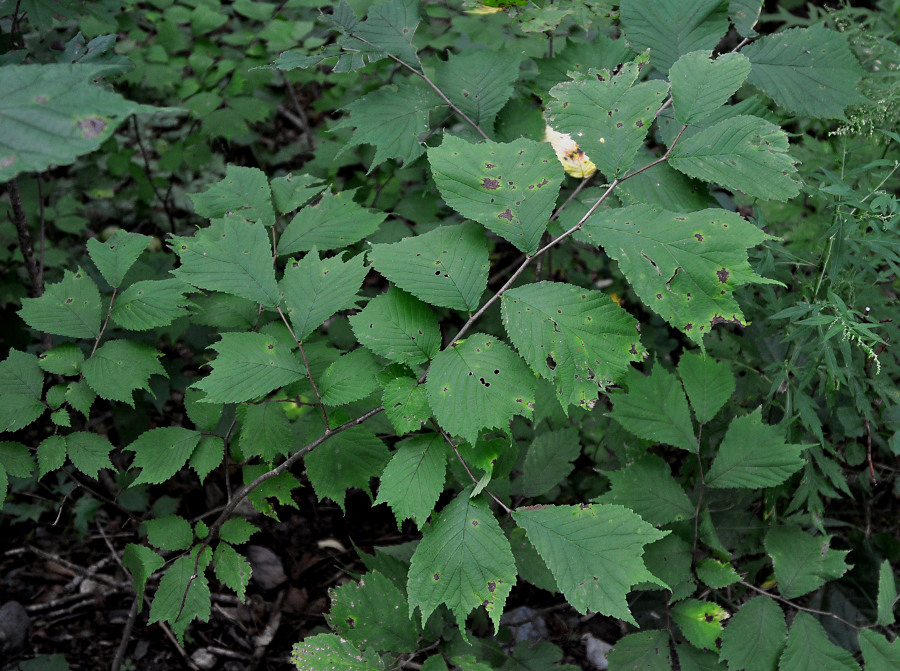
x=723 y=275
x=506 y=214
x=688 y=326
x=437 y=576
x=491 y=586
x=488 y=183
x=639 y=123
x=699 y=237
x=7 y=161
x=92 y=127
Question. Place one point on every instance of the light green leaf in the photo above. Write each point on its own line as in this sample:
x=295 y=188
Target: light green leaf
x=479 y=383
x=463 y=561
x=114 y=257
x=249 y=365
x=670 y=28
x=293 y=191
x=237 y=530
x=700 y=622
x=479 y=83
x=141 y=562
x=388 y=30
x=803 y=562
x=350 y=378
x=654 y=408
x=160 y=453
x=642 y=651
x=414 y=478
x=716 y=574
x=64 y=359
x=601 y=52
x=22 y=382
x=887 y=592
x=328 y=651
x=171 y=532
x=80 y=396
x=683 y=265
x=243 y=192
x=878 y=654
x=314 y=289
x=149 y=304
x=398 y=327
x=808 y=647
x=51 y=114
x=373 y=614
x=51 y=454
x=594 y=551
x=744 y=153
x=170 y=599
x=647 y=487
x=447 y=266
x=68 y=308
x=708 y=383
x=753 y=455
x=207 y=455
x=701 y=85
x=349 y=459
x=334 y=222
x=607 y=114
x=577 y=338
x=232 y=569
x=231 y=256
x=89 y=452
x=16 y=460
x=392 y=119
x=755 y=636
x=265 y=431
x=121 y=366
x=744 y=14
x=509 y=188
x=548 y=462
x=405 y=404
x=809 y=71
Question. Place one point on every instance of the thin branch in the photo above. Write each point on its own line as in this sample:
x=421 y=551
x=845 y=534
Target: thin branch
x=469 y=470
x=112 y=300
x=147 y=171
x=126 y=637
x=26 y=244
x=306 y=363
x=803 y=608
x=302 y=120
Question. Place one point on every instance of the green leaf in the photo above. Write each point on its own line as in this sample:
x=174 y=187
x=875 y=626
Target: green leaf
x=670 y=559
x=647 y=487
x=373 y=614
x=237 y=530
x=16 y=460
x=405 y=404
x=89 y=452
x=121 y=366
x=577 y=338
x=350 y=378
x=150 y=304
x=670 y=28
x=607 y=114
x=207 y=455
x=479 y=83
x=231 y=256
x=701 y=85
x=708 y=383
x=293 y=191
x=594 y=551
x=349 y=459
x=114 y=257
x=51 y=454
x=22 y=382
x=265 y=431
x=877 y=652
x=160 y=453
x=80 y=396
x=314 y=289
x=683 y=265
x=753 y=455
x=171 y=532
x=388 y=30
x=716 y=574
x=700 y=622
x=414 y=479
x=654 y=408
x=68 y=308
x=447 y=266
x=692 y=659
x=4 y=485
x=887 y=593
x=601 y=52
x=743 y=153
x=249 y=365
x=279 y=487
x=334 y=222
x=808 y=647
x=803 y=562
x=808 y=71
x=232 y=569
x=244 y=192
x=392 y=119
x=755 y=636
x=51 y=114
x=548 y=462
x=643 y=651
x=540 y=656
x=509 y=188
x=141 y=562
x=744 y=14
x=170 y=600
x=529 y=564
x=64 y=359
x=328 y=651
x=463 y=561
x=398 y=327
x=661 y=186
x=479 y=383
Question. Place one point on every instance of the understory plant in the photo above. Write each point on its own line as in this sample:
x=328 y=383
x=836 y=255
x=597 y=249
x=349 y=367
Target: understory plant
x=645 y=367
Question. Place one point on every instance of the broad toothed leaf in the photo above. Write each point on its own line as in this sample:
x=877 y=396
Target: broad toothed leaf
x=22 y=384
x=182 y=595
x=335 y=221
x=120 y=367
x=755 y=636
x=387 y=30
x=114 y=257
x=149 y=304
x=160 y=453
x=405 y=404
x=68 y=308
x=398 y=327
x=350 y=378
x=478 y=83
x=701 y=85
x=548 y=462
x=878 y=653
x=708 y=383
x=414 y=478
x=808 y=647
x=803 y=562
x=329 y=651
x=89 y=452
x=647 y=487
x=243 y=191
x=349 y=459
x=232 y=569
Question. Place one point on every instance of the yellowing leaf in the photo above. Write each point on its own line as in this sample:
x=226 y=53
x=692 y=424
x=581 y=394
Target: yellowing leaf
x=574 y=161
